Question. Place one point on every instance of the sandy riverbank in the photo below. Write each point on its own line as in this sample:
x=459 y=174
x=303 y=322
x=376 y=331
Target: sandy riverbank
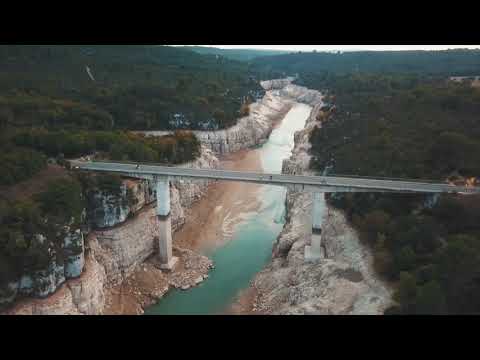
x=211 y=220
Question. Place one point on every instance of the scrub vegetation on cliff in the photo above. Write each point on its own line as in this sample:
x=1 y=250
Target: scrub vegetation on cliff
x=21 y=249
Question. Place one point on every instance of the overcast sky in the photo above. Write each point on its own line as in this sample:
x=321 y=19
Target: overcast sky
x=345 y=47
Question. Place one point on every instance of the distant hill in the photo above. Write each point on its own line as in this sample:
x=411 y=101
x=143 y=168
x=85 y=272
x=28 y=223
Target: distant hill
x=72 y=100
x=234 y=54
x=139 y=86
x=458 y=62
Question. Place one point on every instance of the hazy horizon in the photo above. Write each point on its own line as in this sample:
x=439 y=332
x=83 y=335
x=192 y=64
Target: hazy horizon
x=342 y=47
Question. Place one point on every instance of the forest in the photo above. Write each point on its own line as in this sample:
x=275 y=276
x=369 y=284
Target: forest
x=121 y=86
x=456 y=62
x=73 y=100
x=416 y=127
x=236 y=54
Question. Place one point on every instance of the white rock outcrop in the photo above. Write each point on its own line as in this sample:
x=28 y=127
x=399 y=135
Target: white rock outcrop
x=82 y=296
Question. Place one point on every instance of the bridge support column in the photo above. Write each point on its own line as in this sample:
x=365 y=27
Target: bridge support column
x=314 y=250
x=167 y=260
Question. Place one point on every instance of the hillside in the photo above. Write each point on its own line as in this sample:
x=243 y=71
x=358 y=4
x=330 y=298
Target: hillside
x=448 y=63
x=409 y=127
x=129 y=87
x=73 y=100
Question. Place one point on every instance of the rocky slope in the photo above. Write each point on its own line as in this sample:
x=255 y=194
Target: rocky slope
x=343 y=281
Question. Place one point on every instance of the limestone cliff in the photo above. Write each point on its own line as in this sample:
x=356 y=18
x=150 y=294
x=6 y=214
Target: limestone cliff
x=276 y=84
x=81 y=296
x=66 y=262
x=343 y=281
x=254 y=129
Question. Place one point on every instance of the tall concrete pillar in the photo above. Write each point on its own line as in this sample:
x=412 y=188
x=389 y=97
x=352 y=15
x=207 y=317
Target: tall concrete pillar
x=167 y=260
x=317 y=213
x=314 y=251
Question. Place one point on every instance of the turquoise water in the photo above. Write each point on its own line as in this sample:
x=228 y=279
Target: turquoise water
x=250 y=248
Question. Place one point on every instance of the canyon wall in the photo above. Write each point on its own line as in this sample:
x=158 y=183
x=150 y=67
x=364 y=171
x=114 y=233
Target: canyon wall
x=343 y=281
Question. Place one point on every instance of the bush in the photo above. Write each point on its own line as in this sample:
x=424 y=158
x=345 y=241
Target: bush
x=19 y=164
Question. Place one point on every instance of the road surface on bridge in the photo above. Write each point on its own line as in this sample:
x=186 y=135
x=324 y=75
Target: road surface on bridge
x=310 y=183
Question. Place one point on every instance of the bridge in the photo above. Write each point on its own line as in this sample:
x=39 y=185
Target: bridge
x=161 y=175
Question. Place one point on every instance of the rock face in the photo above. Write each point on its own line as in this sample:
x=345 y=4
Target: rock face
x=73 y=247
x=276 y=84
x=343 y=281
x=107 y=209
x=184 y=193
x=82 y=296
x=44 y=282
x=255 y=128
x=250 y=131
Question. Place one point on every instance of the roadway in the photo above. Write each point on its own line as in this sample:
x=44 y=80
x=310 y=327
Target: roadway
x=307 y=182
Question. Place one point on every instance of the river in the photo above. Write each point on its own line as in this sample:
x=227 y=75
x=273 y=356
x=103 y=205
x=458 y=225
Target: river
x=236 y=225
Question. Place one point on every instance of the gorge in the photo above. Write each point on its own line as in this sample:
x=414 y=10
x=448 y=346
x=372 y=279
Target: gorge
x=120 y=275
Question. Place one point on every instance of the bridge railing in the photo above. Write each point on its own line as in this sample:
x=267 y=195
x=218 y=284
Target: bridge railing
x=135 y=163
x=428 y=181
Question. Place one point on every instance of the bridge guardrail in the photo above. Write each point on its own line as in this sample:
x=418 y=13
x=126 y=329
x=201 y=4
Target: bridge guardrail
x=329 y=175
x=428 y=181
x=134 y=163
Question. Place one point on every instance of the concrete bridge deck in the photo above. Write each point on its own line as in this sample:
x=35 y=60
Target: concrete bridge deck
x=297 y=182
x=315 y=184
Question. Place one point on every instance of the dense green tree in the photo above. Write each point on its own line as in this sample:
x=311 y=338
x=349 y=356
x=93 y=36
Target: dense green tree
x=430 y=299
x=407 y=290
x=63 y=200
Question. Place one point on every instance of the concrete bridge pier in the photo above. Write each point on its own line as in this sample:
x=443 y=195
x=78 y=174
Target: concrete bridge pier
x=167 y=260
x=314 y=250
